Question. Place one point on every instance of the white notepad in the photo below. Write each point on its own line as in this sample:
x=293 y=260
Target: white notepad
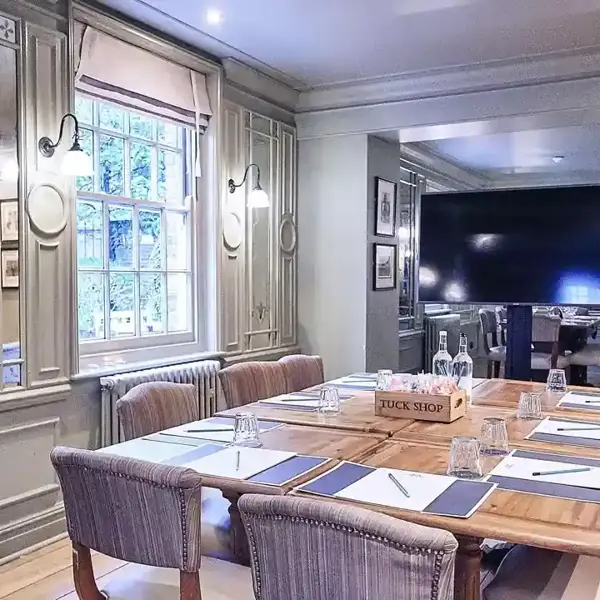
x=222 y=432
x=252 y=461
x=580 y=399
x=354 y=383
x=523 y=468
x=293 y=400
x=549 y=425
x=141 y=449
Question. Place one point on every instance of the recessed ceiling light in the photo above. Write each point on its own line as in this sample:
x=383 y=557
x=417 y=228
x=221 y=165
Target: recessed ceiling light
x=557 y=159
x=214 y=16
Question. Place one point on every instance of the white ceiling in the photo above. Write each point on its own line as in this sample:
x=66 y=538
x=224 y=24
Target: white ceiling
x=309 y=43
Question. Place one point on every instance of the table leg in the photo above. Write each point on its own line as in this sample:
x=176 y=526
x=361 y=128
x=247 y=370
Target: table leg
x=238 y=542
x=467 y=572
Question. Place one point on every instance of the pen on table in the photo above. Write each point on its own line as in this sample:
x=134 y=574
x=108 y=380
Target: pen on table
x=209 y=430
x=237 y=461
x=591 y=401
x=399 y=485
x=561 y=472
x=578 y=429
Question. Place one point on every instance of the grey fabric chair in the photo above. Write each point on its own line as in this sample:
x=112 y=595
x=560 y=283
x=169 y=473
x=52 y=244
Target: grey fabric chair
x=304 y=548
x=154 y=406
x=302 y=371
x=495 y=352
x=545 y=331
x=132 y=510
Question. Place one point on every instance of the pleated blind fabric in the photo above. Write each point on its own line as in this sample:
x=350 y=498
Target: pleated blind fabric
x=117 y=71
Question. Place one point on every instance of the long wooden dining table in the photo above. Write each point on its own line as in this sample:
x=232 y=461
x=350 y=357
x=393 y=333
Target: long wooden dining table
x=356 y=434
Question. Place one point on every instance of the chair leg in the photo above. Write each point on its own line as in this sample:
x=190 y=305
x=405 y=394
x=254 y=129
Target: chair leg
x=189 y=586
x=497 y=369
x=489 y=369
x=83 y=574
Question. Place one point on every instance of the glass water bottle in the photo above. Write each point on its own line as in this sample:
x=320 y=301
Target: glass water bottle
x=442 y=361
x=462 y=368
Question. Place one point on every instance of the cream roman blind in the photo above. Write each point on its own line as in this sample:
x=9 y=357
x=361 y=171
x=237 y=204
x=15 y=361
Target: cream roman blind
x=111 y=69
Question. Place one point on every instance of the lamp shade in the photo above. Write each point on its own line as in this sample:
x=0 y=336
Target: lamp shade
x=258 y=198
x=77 y=162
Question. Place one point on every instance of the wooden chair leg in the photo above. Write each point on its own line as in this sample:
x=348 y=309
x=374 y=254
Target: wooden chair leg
x=83 y=574
x=497 y=369
x=189 y=586
x=489 y=369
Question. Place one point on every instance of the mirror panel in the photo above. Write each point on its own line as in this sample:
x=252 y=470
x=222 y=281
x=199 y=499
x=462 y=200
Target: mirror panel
x=10 y=320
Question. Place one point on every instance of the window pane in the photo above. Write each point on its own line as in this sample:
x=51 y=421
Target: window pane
x=150 y=239
x=112 y=161
x=111 y=117
x=120 y=236
x=91 y=306
x=178 y=289
x=140 y=126
x=141 y=171
x=90 y=239
x=177 y=241
x=152 y=303
x=84 y=110
x=170 y=175
x=169 y=134
x=86 y=139
x=122 y=315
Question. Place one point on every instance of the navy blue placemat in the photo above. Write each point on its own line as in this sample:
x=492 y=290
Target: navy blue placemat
x=560 y=458
x=337 y=479
x=196 y=454
x=364 y=388
x=568 y=440
x=264 y=425
x=285 y=406
x=580 y=406
x=287 y=470
x=558 y=490
x=459 y=499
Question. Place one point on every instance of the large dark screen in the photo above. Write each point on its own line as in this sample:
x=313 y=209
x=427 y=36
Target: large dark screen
x=538 y=246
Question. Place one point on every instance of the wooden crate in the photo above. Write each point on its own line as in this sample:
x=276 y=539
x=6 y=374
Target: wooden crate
x=422 y=407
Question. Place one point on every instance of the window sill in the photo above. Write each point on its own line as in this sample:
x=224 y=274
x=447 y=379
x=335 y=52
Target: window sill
x=151 y=363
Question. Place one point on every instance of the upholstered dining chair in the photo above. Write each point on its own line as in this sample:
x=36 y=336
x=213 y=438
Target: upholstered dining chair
x=154 y=406
x=545 y=332
x=132 y=510
x=495 y=352
x=302 y=371
x=252 y=381
x=304 y=548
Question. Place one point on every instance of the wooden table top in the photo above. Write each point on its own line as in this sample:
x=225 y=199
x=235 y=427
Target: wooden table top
x=358 y=414
x=565 y=525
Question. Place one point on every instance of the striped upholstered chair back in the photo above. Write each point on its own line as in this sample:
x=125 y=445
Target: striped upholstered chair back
x=252 y=381
x=302 y=548
x=132 y=510
x=302 y=371
x=151 y=407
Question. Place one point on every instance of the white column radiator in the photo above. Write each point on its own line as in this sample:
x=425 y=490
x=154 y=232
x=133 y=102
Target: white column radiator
x=201 y=374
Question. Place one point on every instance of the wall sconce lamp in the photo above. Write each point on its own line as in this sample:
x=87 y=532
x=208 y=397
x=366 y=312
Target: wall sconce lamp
x=76 y=161
x=258 y=197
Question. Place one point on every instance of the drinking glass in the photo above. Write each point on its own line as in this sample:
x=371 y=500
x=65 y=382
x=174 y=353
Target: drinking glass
x=494 y=437
x=384 y=379
x=557 y=381
x=464 y=458
x=530 y=406
x=329 y=400
x=246 y=431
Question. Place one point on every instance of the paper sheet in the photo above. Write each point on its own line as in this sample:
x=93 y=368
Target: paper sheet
x=552 y=426
x=523 y=468
x=292 y=401
x=252 y=461
x=378 y=488
x=350 y=382
x=582 y=399
x=226 y=436
x=141 y=449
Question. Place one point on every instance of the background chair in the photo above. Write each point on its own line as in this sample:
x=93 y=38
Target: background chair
x=151 y=407
x=132 y=510
x=302 y=371
x=252 y=381
x=303 y=548
x=495 y=352
x=545 y=332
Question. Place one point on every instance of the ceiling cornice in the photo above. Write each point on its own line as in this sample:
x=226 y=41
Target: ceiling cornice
x=546 y=179
x=525 y=71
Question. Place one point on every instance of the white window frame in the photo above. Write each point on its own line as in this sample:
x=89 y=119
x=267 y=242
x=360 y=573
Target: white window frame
x=103 y=353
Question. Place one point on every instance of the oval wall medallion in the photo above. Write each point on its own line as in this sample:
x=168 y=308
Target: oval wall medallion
x=287 y=234
x=47 y=209
x=232 y=230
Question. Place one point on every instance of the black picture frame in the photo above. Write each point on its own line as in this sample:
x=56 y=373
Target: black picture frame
x=379 y=283
x=383 y=187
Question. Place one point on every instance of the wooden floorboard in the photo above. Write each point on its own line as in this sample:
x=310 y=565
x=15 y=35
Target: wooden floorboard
x=47 y=575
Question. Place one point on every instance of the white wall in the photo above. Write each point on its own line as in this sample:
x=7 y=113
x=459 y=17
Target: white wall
x=332 y=262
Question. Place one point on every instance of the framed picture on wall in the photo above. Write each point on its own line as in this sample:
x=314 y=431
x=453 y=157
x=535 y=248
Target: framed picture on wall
x=9 y=221
x=10 y=268
x=384 y=267
x=385 y=207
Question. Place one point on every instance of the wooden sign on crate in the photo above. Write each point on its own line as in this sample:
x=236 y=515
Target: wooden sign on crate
x=423 y=407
